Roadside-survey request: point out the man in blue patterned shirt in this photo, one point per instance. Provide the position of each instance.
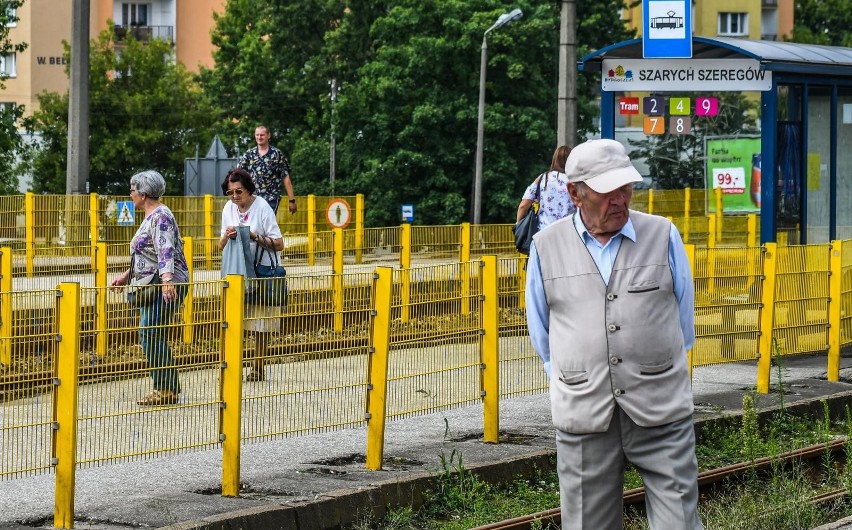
(270, 169)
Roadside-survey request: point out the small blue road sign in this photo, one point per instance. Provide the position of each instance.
(125, 213)
(666, 29)
(408, 213)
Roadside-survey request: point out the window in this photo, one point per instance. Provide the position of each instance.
(733, 24)
(7, 106)
(10, 18)
(134, 14)
(7, 65)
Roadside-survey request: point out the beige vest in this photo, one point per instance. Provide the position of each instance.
(613, 344)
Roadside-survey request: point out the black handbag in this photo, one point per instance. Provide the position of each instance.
(271, 282)
(527, 227)
(144, 291)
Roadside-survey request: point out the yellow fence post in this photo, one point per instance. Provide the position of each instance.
(94, 224)
(405, 271)
(377, 387)
(767, 317)
(209, 230)
(522, 281)
(337, 278)
(464, 267)
(650, 200)
(101, 295)
(6, 306)
(231, 382)
(686, 200)
(65, 404)
(29, 231)
(359, 227)
(751, 227)
(719, 213)
(490, 352)
(312, 229)
(189, 300)
(834, 302)
(690, 254)
(711, 254)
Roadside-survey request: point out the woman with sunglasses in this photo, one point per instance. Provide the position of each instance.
(247, 209)
(157, 247)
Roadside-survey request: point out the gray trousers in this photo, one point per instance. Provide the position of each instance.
(591, 474)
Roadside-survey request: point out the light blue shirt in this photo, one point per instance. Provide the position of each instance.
(538, 312)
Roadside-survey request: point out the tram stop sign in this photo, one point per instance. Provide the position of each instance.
(666, 29)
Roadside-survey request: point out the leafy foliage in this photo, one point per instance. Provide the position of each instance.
(146, 112)
(826, 22)
(11, 144)
(406, 116)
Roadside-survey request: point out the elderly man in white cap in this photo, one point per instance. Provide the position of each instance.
(610, 308)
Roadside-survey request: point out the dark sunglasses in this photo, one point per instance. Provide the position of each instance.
(235, 191)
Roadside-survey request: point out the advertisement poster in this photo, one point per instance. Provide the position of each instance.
(733, 164)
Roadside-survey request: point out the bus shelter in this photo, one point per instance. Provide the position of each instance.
(802, 175)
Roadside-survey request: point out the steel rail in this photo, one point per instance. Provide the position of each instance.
(706, 480)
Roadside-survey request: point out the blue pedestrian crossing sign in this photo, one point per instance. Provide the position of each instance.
(666, 29)
(125, 213)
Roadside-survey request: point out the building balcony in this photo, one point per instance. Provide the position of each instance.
(143, 33)
(769, 4)
(768, 36)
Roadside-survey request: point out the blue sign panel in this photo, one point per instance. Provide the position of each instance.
(667, 29)
(408, 213)
(124, 214)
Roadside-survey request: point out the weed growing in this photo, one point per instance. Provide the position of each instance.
(779, 501)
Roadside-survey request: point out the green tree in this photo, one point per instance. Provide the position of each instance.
(265, 69)
(826, 22)
(408, 71)
(678, 161)
(145, 112)
(11, 144)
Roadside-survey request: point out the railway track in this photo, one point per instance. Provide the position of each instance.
(707, 482)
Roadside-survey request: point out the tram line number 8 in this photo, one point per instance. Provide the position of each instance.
(680, 125)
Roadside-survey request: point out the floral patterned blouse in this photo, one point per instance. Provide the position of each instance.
(157, 246)
(268, 171)
(554, 203)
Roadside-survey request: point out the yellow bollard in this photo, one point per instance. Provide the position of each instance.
(835, 293)
(464, 267)
(359, 227)
(6, 306)
(767, 318)
(65, 409)
(405, 271)
(189, 300)
(377, 388)
(231, 382)
(337, 279)
(102, 293)
(312, 230)
(490, 353)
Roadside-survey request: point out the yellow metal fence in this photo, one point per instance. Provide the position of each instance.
(359, 346)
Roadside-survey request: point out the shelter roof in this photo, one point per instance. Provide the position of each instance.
(777, 56)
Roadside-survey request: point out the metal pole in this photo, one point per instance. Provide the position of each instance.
(77, 168)
(480, 136)
(566, 126)
(332, 145)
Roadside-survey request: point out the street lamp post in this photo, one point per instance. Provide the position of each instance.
(504, 19)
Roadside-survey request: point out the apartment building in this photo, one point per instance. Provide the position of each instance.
(45, 24)
(748, 19)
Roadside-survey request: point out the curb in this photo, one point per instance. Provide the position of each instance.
(346, 506)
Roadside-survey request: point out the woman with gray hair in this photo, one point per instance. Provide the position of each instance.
(157, 248)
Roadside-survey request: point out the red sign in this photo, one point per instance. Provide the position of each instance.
(628, 105)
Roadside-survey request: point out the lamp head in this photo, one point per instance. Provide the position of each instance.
(505, 18)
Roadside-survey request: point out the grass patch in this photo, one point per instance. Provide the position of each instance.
(780, 501)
